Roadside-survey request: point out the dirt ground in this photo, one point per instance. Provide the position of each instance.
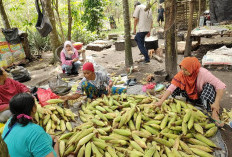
(113, 61)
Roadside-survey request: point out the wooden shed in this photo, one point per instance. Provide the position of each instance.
(183, 11)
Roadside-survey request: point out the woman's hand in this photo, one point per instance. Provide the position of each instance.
(215, 106)
(65, 98)
(149, 78)
(157, 104)
(75, 59)
(108, 88)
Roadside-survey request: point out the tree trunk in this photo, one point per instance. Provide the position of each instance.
(128, 52)
(59, 20)
(5, 20)
(199, 13)
(55, 42)
(170, 38)
(188, 45)
(69, 21)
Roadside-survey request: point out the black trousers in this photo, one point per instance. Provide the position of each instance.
(206, 98)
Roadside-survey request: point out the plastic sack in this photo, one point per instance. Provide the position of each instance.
(20, 74)
(59, 87)
(44, 95)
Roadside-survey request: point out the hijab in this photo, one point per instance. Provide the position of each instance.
(88, 66)
(65, 51)
(188, 83)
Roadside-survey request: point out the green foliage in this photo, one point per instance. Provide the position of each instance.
(81, 34)
(94, 14)
(38, 44)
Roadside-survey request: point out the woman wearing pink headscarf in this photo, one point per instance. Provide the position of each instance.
(69, 58)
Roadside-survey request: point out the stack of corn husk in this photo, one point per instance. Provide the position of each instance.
(128, 125)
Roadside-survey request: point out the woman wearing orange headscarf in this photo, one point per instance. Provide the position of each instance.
(197, 85)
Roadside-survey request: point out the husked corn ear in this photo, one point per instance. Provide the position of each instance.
(204, 148)
(88, 149)
(81, 152)
(122, 132)
(208, 126)
(201, 153)
(46, 119)
(164, 122)
(136, 146)
(185, 147)
(55, 101)
(162, 141)
(62, 125)
(211, 132)
(196, 142)
(95, 150)
(70, 149)
(205, 140)
(62, 147)
(198, 128)
(111, 151)
(69, 126)
(187, 115)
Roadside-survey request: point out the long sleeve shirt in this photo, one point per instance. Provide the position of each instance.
(8, 90)
(64, 59)
(204, 76)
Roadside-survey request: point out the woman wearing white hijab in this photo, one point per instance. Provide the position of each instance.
(69, 58)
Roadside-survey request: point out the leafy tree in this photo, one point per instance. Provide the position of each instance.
(93, 14)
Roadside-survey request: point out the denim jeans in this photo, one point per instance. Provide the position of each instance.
(71, 68)
(140, 39)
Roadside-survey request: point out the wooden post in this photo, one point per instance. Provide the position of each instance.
(199, 13)
(188, 45)
(26, 46)
(170, 36)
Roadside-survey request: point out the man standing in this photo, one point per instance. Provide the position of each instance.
(160, 15)
(143, 19)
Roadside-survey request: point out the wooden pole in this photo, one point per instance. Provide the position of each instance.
(199, 13)
(170, 38)
(188, 44)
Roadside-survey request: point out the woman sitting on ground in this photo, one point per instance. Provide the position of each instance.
(198, 85)
(94, 84)
(69, 58)
(8, 88)
(23, 137)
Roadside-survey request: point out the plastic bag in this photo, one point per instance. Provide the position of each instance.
(20, 74)
(59, 87)
(44, 95)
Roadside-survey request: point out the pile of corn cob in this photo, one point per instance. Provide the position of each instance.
(53, 117)
(128, 126)
(117, 80)
(226, 116)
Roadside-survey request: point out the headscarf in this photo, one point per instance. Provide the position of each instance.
(188, 83)
(66, 52)
(88, 66)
